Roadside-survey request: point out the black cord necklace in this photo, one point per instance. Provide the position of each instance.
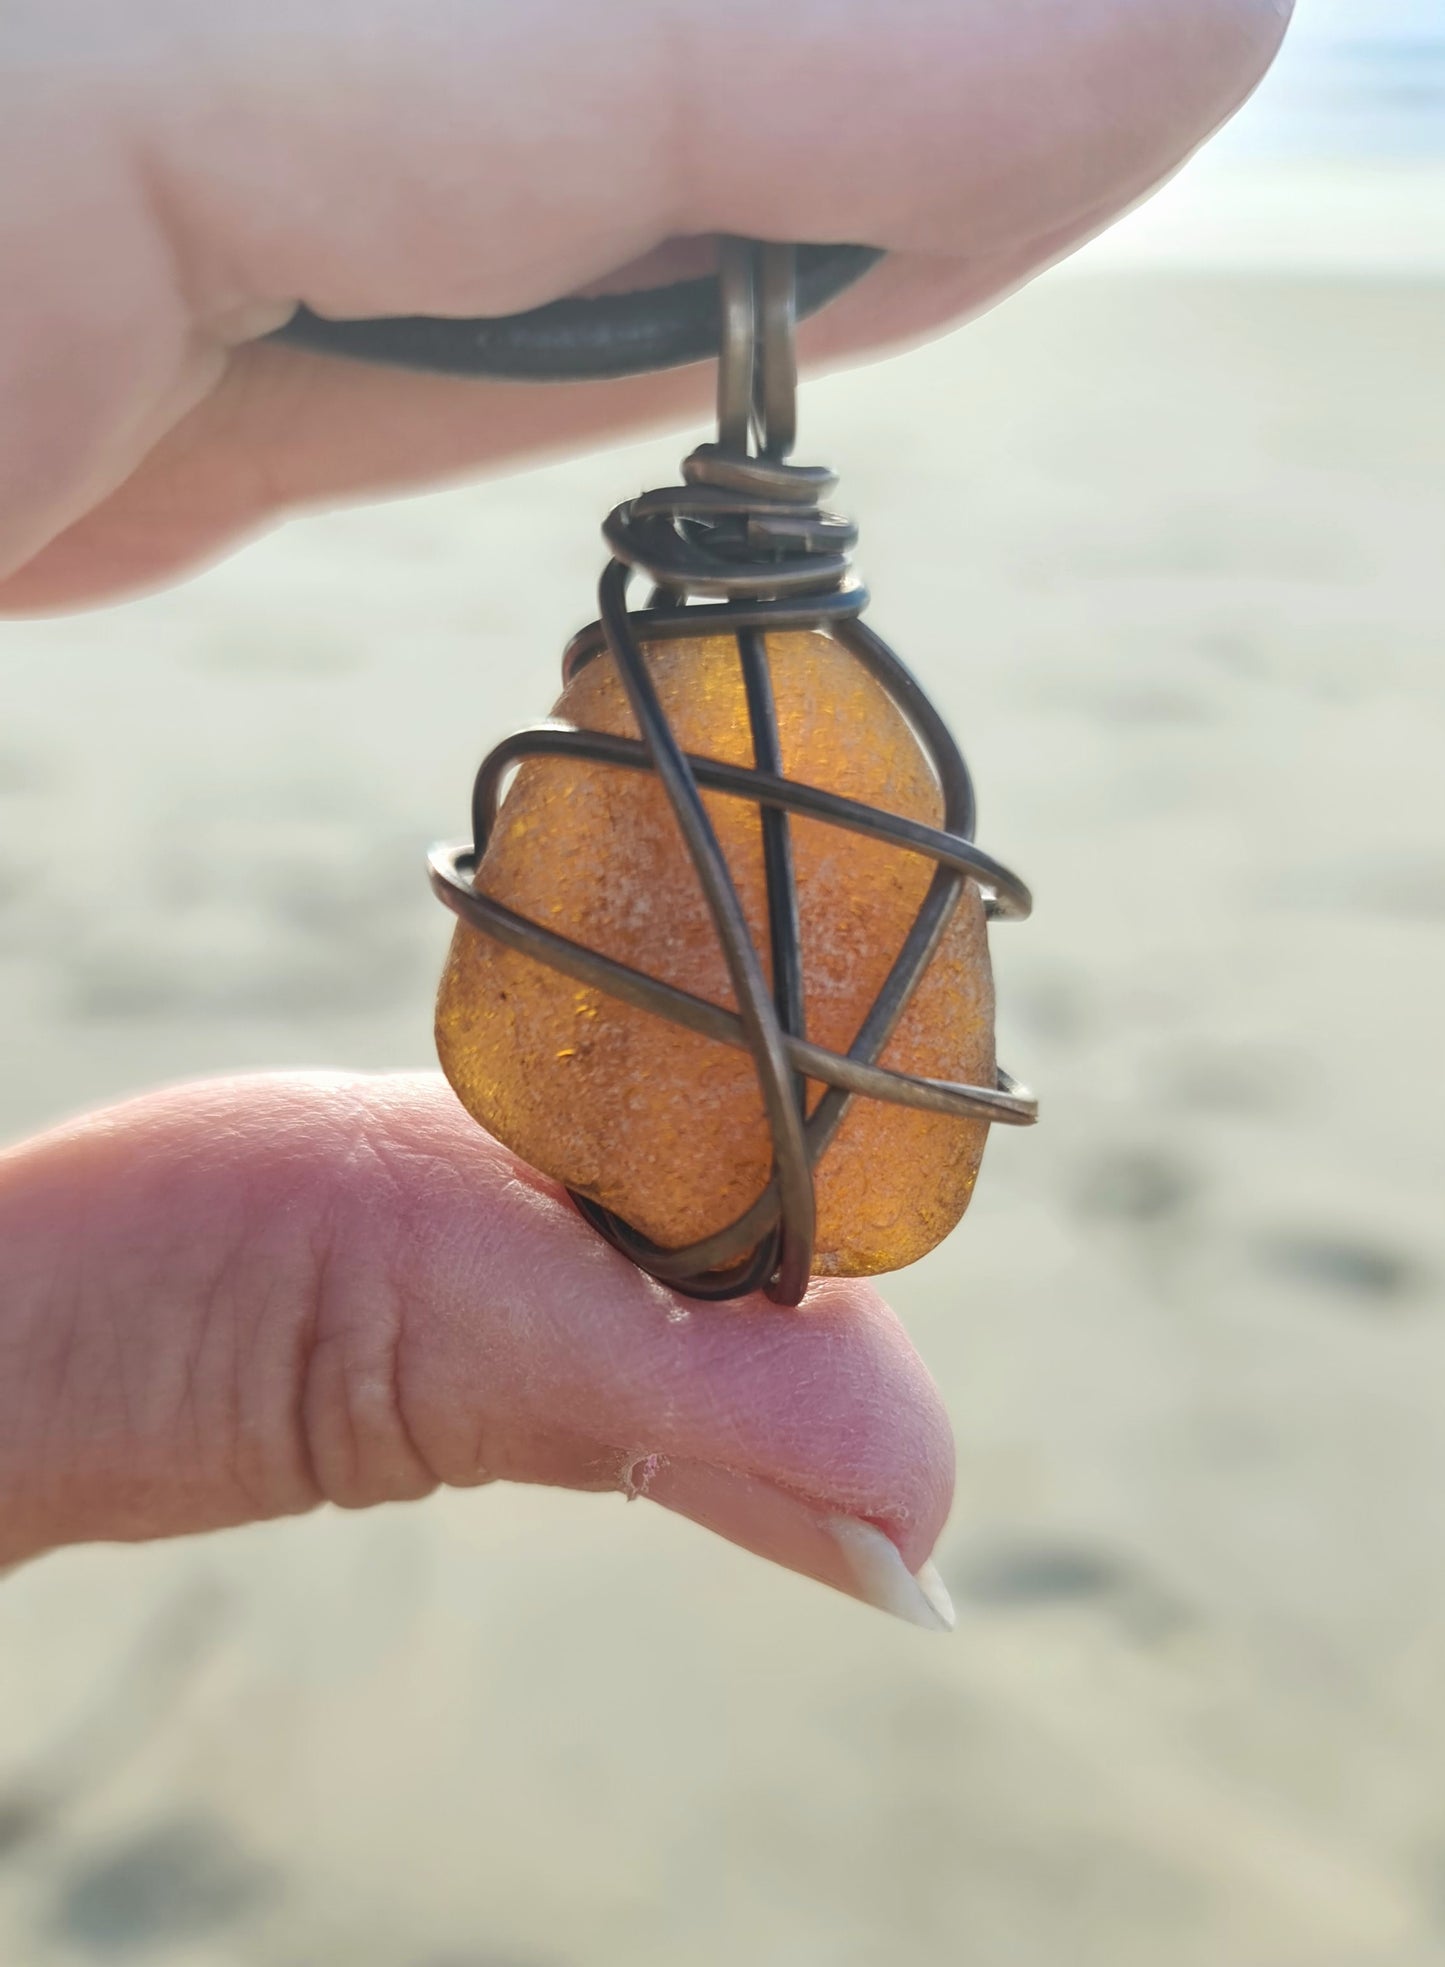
(570, 340)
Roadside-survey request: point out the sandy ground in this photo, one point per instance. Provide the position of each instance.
(1168, 550)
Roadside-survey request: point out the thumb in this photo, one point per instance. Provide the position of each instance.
(236, 1301)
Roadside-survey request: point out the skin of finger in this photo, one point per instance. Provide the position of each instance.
(232, 1302)
(569, 147)
(956, 130)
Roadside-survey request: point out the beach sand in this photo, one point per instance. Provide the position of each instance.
(1167, 548)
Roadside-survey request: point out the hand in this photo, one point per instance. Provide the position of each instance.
(234, 1301)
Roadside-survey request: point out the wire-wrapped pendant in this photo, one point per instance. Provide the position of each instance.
(722, 963)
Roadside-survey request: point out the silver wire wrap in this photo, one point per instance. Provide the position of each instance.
(744, 546)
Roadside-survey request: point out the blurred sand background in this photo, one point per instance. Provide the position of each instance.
(1165, 543)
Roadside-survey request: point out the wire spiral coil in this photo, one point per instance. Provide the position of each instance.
(742, 547)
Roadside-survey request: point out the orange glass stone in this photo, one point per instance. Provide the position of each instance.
(661, 1126)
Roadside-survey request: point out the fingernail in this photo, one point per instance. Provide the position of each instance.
(842, 1551)
(881, 1578)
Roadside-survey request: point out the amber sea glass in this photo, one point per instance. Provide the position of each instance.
(661, 1126)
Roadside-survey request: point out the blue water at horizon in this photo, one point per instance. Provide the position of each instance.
(1355, 79)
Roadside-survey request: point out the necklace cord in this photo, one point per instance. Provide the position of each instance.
(572, 340)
